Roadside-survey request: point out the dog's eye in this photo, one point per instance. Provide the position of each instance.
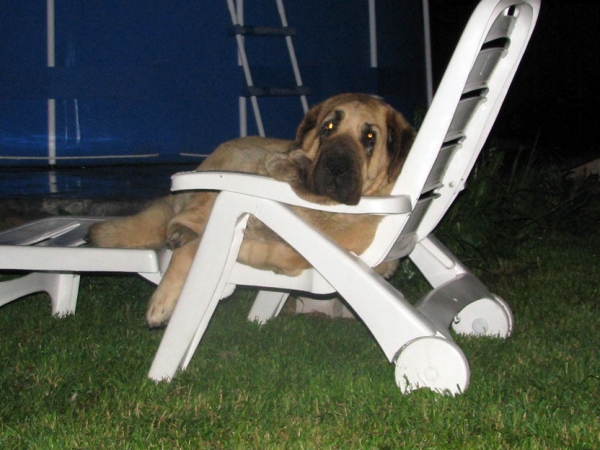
(327, 128)
(369, 140)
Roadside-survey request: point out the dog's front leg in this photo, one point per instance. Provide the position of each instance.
(191, 221)
(163, 301)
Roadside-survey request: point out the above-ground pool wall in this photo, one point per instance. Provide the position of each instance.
(145, 81)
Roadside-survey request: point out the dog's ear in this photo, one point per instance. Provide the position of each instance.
(308, 124)
(400, 138)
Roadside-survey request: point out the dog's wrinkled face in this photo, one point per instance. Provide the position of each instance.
(356, 144)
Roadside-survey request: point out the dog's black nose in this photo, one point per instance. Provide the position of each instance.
(338, 168)
(337, 171)
(338, 179)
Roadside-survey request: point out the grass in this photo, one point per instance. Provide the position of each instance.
(306, 381)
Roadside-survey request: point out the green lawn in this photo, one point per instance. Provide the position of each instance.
(306, 381)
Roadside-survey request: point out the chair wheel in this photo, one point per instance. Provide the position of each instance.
(485, 317)
(432, 362)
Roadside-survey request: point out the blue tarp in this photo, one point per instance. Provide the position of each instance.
(148, 77)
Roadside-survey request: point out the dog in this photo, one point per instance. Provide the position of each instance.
(348, 146)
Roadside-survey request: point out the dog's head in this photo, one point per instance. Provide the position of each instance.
(357, 145)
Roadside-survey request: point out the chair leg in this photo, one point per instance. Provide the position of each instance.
(437, 264)
(443, 303)
(432, 362)
(62, 288)
(267, 305)
(64, 294)
(490, 316)
(202, 290)
(458, 298)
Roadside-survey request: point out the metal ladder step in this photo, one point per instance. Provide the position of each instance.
(259, 31)
(261, 91)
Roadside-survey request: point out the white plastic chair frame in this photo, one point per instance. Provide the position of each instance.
(414, 337)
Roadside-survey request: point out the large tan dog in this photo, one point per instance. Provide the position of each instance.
(346, 147)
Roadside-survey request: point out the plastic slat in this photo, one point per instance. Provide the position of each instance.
(439, 167)
(482, 71)
(465, 110)
(56, 231)
(36, 232)
(502, 27)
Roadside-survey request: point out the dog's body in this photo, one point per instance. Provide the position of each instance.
(346, 147)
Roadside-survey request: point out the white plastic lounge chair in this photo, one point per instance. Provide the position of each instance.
(414, 337)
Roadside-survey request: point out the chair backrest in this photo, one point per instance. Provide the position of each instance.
(458, 121)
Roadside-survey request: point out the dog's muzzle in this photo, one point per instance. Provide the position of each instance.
(337, 172)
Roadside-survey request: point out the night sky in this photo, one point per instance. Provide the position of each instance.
(555, 93)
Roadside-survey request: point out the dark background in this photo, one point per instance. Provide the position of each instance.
(553, 100)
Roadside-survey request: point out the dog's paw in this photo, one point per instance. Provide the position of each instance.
(178, 235)
(160, 309)
(290, 167)
(387, 268)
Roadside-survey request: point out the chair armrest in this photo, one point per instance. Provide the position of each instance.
(268, 188)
